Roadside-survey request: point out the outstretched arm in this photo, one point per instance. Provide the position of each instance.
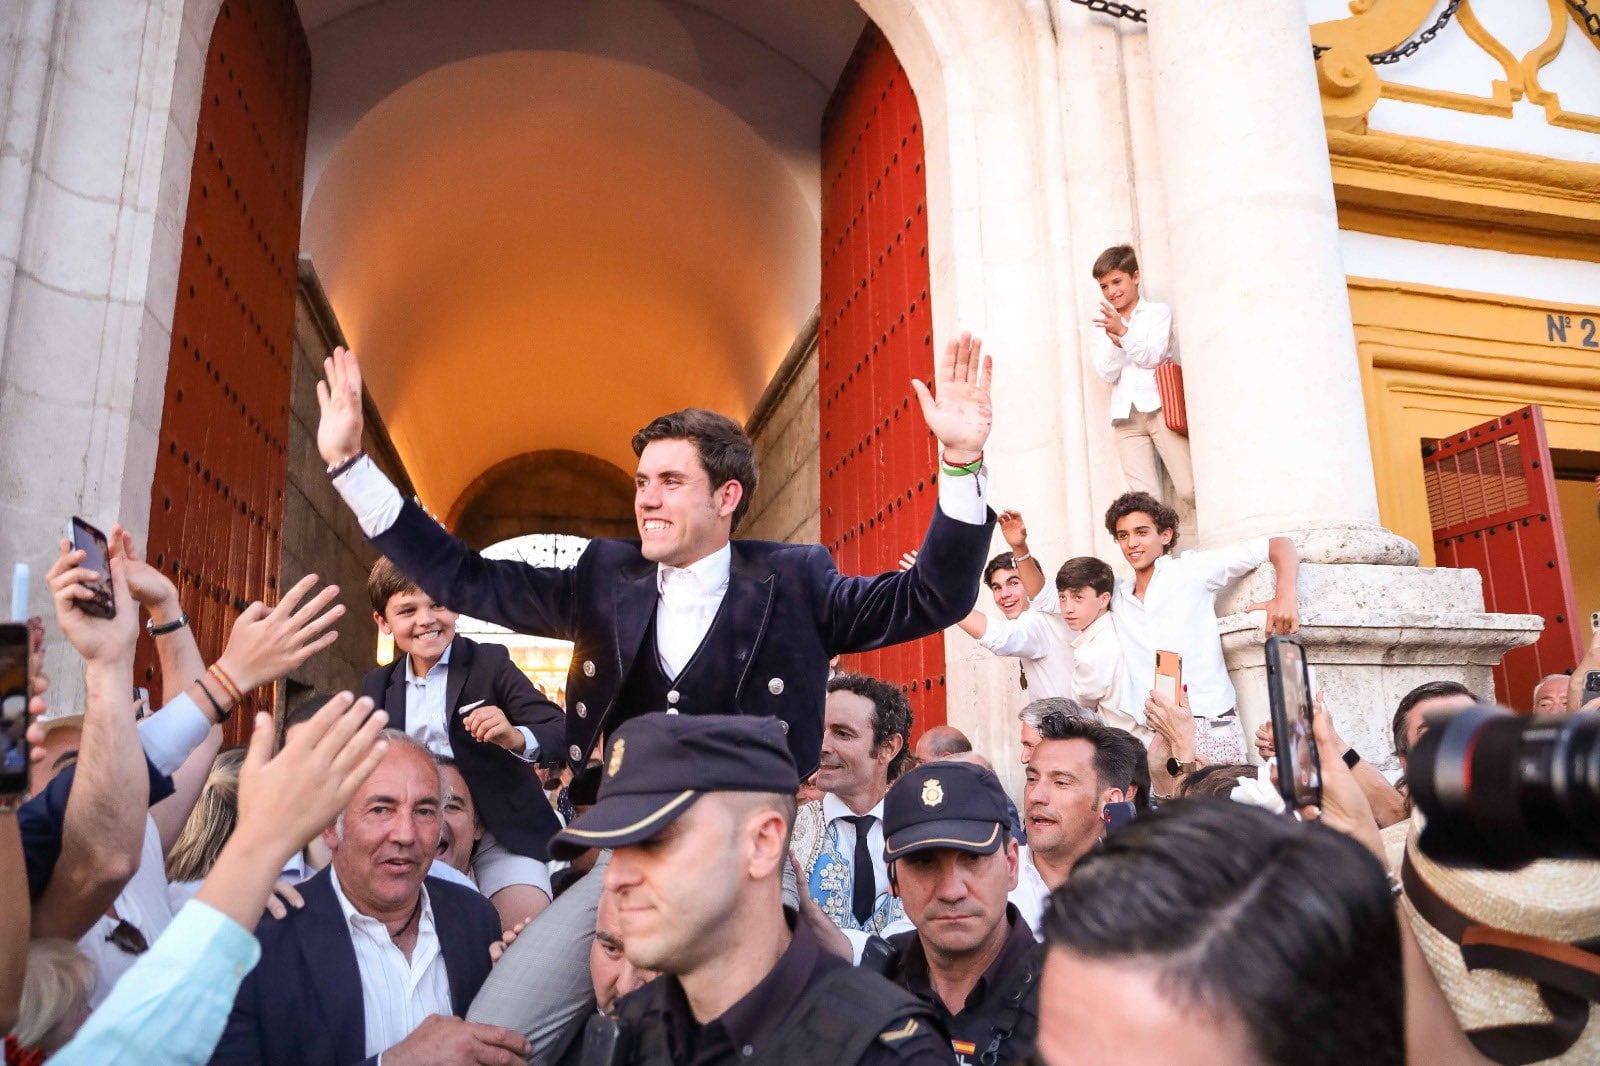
(528, 599)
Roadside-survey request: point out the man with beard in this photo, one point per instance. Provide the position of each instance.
(1077, 768)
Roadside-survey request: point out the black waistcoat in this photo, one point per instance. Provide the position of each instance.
(701, 688)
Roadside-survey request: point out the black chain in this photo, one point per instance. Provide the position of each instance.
(1395, 55)
(1116, 10)
(1591, 21)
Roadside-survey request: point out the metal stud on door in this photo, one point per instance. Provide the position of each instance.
(879, 485)
(217, 495)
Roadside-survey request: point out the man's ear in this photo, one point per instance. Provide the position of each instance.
(383, 624)
(330, 837)
(1013, 859)
(1105, 601)
(769, 843)
(728, 497)
(893, 745)
(1113, 795)
(1166, 537)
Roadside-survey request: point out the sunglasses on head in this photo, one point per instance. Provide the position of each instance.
(127, 937)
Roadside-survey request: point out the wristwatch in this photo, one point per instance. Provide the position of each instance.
(164, 628)
(1174, 767)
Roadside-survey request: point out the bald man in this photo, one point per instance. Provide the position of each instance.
(940, 741)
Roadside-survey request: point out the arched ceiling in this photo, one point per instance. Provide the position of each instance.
(542, 248)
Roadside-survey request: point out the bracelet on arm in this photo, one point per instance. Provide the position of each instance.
(957, 471)
(164, 628)
(221, 677)
(222, 715)
(1024, 557)
(340, 467)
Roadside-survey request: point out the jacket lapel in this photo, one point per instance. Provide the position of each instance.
(636, 597)
(457, 946)
(395, 695)
(748, 606)
(330, 959)
(460, 666)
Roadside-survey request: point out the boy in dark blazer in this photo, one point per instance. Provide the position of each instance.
(468, 701)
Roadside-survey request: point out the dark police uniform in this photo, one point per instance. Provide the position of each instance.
(949, 805)
(812, 1008)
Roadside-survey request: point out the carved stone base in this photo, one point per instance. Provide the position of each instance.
(1373, 633)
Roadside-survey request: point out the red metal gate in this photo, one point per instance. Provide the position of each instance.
(216, 509)
(879, 473)
(1492, 499)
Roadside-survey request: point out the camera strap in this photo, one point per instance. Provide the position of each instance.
(1567, 975)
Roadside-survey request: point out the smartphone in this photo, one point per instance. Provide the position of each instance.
(16, 686)
(1169, 675)
(1594, 621)
(96, 556)
(1591, 687)
(1117, 815)
(1289, 691)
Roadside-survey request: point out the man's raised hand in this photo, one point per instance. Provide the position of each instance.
(958, 410)
(339, 397)
(266, 644)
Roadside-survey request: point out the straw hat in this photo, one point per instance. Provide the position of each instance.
(1546, 907)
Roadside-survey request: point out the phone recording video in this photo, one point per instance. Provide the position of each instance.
(97, 557)
(1289, 688)
(15, 688)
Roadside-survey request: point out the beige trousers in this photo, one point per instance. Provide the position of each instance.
(1142, 438)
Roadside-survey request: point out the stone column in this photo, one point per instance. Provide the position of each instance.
(1277, 419)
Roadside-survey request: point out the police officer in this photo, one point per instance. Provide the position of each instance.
(698, 810)
(973, 958)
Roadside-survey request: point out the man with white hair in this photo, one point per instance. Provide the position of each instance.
(1550, 694)
(381, 959)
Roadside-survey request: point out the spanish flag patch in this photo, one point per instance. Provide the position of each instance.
(964, 1047)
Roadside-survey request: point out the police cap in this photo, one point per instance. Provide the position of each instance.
(659, 764)
(945, 805)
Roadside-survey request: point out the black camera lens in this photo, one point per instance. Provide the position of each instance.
(1500, 790)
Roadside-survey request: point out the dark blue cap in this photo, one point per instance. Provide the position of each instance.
(657, 765)
(945, 805)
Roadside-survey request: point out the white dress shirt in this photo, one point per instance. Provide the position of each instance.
(427, 717)
(143, 902)
(1031, 893)
(1100, 679)
(1040, 638)
(690, 596)
(397, 993)
(1179, 613)
(1131, 365)
(834, 810)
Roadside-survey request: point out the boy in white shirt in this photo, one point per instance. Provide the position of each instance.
(1135, 337)
(1099, 675)
(1170, 603)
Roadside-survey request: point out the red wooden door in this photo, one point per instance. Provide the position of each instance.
(1492, 500)
(216, 510)
(879, 473)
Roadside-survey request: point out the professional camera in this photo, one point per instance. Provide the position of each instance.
(1499, 790)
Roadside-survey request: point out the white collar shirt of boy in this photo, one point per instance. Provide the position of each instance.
(1130, 368)
(1100, 680)
(427, 718)
(1040, 638)
(1179, 613)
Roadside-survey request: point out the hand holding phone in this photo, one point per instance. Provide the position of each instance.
(1169, 675)
(16, 691)
(97, 638)
(1289, 689)
(1118, 815)
(97, 558)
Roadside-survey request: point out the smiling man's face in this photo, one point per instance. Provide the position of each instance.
(681, 516)
(420, 627)
(1141, 541)
(390, 832)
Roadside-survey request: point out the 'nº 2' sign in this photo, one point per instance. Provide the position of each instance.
(1577, 332)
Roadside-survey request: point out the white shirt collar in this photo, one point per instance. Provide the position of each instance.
(710, 572)
(444, 660)
(356, 920)
(834, 807)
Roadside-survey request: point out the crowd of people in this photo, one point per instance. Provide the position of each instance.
(722, 849)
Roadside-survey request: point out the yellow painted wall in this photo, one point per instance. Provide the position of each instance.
(1582, 527)
(1435, 361)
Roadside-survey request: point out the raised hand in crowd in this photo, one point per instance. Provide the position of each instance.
(1344, 805)
(958, 408)
(101, 641)
(267, 643)
(181, 662)
(1108, 319)
(908, 560)
(1015, 532)
(339, 397)
(1283, 609)
(1388, 805)
(1174, 726)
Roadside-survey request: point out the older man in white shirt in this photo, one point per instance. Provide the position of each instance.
(382, 961)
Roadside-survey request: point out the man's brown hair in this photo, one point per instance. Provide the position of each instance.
(1118, 257)
(724, 450)
(386, 581)
(1129, 503)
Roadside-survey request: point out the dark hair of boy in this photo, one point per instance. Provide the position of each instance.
(385, 582)
(1086, 572)
(1003, 561)
(1129, 503)
(1285, 925)
(1117, 257)
(724, 450)
(891, 714)
(1216, 781)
